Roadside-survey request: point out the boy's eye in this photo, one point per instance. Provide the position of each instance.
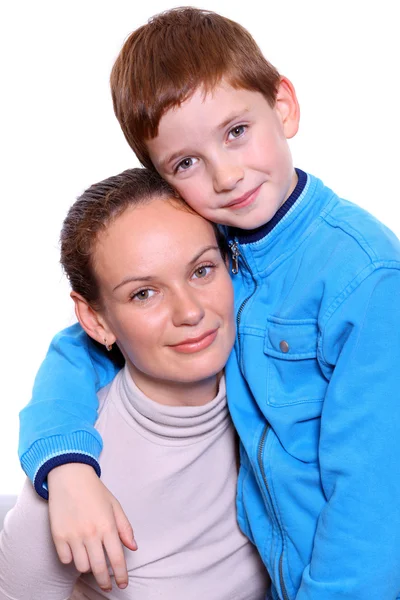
(237, 131)
(142, 295)
(185, 164)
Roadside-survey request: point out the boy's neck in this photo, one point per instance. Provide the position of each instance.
(253, 235)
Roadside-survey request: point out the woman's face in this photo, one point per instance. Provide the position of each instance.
(167, 298)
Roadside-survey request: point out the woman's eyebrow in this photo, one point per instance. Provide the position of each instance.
(132, 278)
(203, 251)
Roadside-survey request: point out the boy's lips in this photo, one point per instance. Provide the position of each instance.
(201, 342)
(244, 200)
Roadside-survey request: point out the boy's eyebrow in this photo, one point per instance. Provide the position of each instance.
(165, 162)
(132, 279)
(232, 117)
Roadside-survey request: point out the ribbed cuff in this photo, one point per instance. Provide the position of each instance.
(47, 453)
(40, 481)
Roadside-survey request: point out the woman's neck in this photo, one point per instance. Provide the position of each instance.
(176, 393)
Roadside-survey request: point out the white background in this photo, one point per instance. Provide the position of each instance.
(58, 134)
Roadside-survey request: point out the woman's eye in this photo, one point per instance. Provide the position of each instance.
(142, 295)
(237, 131)
(202, 271)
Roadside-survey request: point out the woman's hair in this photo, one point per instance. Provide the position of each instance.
(94, 210)
(162, 63)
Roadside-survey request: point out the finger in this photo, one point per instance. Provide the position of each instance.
(116, 558)
(80, 556)
(124, 527)
(64, 551)
(98, 564)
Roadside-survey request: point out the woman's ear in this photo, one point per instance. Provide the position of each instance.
(287, 107)
(92, 321)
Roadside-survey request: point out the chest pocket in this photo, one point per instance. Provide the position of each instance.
(293, 372)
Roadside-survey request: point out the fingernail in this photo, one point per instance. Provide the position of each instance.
(122, 586)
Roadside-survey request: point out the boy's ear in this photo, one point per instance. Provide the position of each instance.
(288, 107)
(92, 321)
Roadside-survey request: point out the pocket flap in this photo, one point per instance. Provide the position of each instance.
(291, 339)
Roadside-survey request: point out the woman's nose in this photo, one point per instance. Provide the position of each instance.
(188, 309)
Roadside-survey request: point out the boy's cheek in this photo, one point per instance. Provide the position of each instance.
(194, 191)
(191, 192)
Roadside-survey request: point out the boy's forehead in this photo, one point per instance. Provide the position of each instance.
(203, 114)
(221, 98)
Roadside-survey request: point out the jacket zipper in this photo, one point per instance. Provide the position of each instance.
(233, 245)
(234, 248)
(266, 484)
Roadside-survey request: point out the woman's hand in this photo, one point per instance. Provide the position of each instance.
(87, 521)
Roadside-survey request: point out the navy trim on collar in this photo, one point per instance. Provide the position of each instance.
(245, 236)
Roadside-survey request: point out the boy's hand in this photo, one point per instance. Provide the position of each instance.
(85, 521)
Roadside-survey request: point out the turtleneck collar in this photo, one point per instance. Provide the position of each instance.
(179, 424)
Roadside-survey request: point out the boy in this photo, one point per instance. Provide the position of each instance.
(313, 382)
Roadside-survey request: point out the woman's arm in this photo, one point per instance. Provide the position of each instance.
(29, 565)
(57, 426)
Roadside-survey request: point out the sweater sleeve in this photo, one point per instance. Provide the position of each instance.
(57, 426)
(356, 552)
(29, 565)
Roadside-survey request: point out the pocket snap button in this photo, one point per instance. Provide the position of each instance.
(284, 346)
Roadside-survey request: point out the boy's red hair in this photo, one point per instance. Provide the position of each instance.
(163, 62)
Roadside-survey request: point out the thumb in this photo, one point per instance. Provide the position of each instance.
(124, 527)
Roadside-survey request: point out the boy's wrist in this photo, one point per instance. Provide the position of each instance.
(74, 458)
(67, 474)
(54, 451)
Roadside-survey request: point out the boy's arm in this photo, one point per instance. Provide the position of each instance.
(57, 426)
(356, 551)
(88, 523)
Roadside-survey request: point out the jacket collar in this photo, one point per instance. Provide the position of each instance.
(244, 236)
(301, 212)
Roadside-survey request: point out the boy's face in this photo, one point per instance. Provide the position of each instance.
(227, 154)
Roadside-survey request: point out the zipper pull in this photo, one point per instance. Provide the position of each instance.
(235, 256)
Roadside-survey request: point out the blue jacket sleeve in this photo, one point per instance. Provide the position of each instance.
(356, 552)
(57, 426)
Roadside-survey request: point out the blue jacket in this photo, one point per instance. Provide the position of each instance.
(314, 392)
(313, 389)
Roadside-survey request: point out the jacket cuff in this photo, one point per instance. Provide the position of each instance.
(51, 452)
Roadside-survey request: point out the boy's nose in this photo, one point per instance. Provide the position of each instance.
(226, 177)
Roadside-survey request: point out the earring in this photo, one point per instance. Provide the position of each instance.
(108, 346)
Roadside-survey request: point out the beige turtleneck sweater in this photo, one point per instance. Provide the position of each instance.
(174, 471)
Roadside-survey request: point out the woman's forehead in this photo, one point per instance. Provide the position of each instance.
(150, 236)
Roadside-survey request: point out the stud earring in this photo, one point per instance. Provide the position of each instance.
(108, 346)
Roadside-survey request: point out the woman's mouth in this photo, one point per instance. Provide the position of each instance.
(191, 345)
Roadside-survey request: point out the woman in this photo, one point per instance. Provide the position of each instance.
(149, 275)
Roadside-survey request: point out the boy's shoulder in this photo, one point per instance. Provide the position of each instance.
(356, 228)
(343, 249)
